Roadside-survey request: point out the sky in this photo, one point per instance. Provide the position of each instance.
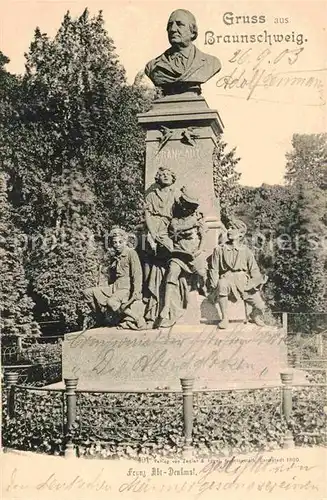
(265, 91)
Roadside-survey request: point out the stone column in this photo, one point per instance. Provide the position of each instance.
(191, 129)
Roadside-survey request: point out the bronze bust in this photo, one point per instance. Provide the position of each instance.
(182, 67)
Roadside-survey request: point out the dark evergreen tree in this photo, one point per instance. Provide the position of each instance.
(16, 307)
(75, 156)
(299, 268)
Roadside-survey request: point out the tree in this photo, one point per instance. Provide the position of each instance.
(306, 173)
(286, 231)
(68, 259)
(70, 89)
(307, 162)
(299, 268)
(75, 159)
(16, 307)
(225, 177)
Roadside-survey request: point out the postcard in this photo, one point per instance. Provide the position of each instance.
(163, 246)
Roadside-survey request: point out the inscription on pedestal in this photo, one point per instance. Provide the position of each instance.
(177, 154)
(109, 358)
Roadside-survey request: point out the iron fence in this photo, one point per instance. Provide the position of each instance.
(107, 423)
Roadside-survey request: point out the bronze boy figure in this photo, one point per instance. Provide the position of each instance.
(234, 274)
(121, 300)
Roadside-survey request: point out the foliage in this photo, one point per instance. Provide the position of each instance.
(77, 101)
(262, 209)
(58, 293)
(307, 162)
(16, 306)
(225, 177)
(33, 348)
(305, 285)
(42, 374)
(303, 352)
(286, 232)
(75, 156)
(38, 425)
(126, 425)
(44, 353)
(9, 94)
(299, 267)
(35, 367)
(309, 426)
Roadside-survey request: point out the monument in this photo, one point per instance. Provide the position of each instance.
(181, 130)
(185, 273)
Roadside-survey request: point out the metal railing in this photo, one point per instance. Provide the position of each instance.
(286, 401)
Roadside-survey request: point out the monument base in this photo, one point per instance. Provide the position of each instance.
(244, 355)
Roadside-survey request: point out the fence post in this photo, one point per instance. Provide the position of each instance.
(71, 384)
(297, 360)
(187, 388)
(284, 321)
(319, 344)
(287, 378)
(19, 346)
(11, 379)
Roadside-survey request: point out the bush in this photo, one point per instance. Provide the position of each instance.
(44, 362)
(44, 374)
(44, 353)
(38, 424)
(305, 349)
(31, 351)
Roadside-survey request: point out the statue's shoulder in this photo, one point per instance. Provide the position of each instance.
(152, 195)
(208, 58)
(131, 253)
(153, 63)
(246, 250)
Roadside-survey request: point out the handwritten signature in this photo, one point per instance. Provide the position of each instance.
(251, 72)
(212, 477)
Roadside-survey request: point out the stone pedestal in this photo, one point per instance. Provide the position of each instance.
(190, 156)
(241, 356)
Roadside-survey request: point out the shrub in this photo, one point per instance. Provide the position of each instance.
(44, 360)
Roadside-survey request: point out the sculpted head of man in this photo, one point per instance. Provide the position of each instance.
(181, 28)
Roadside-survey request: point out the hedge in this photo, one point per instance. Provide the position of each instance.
(42, 361)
